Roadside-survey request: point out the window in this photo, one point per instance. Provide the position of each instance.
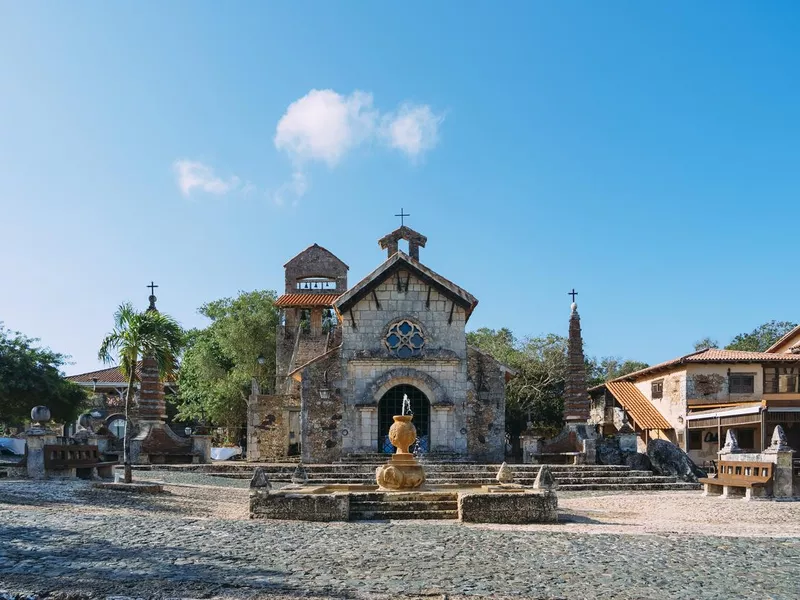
(404, 339)
(740, 383)
(746, 438)
(316, 283)
(781, 380)
(657, 389)
(695, 439)
(117, 428)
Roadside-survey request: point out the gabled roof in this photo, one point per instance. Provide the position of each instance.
(110, 375)
(401, 260)
(644, 414)
(402, 233)
(706, 356)
(782, 343)
(318, 248)
(105, 377)
(306, 300)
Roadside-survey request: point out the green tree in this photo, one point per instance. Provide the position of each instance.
(762, 337)
(610, 367)
(29, 376)
(221, 361)
(535, 394)
(706, 342)
(139, 334)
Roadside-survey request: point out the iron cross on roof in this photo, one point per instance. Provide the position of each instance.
(573, 293)
(402, 215)
(152, 287)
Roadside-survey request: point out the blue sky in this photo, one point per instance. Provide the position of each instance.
(646, 154)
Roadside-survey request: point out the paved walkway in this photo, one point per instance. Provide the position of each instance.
(196, 542)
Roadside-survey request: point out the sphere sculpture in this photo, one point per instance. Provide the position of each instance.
(402, 472)
(40, 414)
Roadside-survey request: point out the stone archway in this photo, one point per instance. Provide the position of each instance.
(391, 403)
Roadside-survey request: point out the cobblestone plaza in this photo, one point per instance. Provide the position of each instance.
(195, 541)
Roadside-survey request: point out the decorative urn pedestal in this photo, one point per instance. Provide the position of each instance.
(402, 472)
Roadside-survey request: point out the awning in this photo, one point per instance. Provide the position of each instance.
(644, 414)
(726, 417)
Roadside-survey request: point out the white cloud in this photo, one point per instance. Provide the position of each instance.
(324, 125)
(295, 188)
(193, 175)
(412, 129)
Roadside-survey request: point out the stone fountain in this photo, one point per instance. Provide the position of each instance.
(401, 494)
(402, 472)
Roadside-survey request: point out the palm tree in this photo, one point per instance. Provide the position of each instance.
(139, 334)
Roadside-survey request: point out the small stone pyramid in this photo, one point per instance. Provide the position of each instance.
(731, 443)
(300, 476)
(544, 479)
(505, 474)
(779, 443)
(260, 480)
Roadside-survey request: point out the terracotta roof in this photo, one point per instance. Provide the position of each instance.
(644, 414)
(306, 300)
(110, 375)
(785, 338)
(447, 287)
(710, 355)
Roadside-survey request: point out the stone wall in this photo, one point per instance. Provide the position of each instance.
(486, 409)
(268, 426)
(316, 261)
(322, 410)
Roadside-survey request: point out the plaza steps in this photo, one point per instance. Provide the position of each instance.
(568, 477)
(397, 505)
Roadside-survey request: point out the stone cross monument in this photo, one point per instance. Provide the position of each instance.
(576, 395)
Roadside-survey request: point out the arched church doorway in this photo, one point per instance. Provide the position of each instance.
(392, 404)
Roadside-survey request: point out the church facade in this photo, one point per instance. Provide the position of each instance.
(347, 356)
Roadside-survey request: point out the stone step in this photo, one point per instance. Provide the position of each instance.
(395, 506)
(621, 487)
(405, 496)
(385, 515)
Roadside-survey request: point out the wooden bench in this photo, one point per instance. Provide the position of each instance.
(81, 460)
(737, 479)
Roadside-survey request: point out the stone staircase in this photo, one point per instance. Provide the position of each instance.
(612, 478)
(397, 505)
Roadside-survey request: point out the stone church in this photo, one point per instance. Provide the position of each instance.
(346, 356)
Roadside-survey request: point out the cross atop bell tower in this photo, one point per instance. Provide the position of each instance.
(389, 242)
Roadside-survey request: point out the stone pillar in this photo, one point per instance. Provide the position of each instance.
(151, 393)
(201, 445)
(413, 250)
(36, 439)
(576, 396)
(783, 484)
(531, 446)
(368, 428)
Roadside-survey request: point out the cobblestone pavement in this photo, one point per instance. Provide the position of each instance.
(196, 542)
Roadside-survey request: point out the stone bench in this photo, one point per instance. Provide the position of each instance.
(77, 460)
(558, 458)
(740, 479)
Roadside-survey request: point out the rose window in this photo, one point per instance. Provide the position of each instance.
(405, 339)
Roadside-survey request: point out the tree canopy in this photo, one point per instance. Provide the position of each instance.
(705, 343)
(30, 376)
(535, 394)
(762, 337)
(222, 359)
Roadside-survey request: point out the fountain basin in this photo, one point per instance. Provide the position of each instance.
(479, 504)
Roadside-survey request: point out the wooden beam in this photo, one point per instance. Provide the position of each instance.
(353, 319)
(408, 278)
(399, 284)
(452, 308)
(428, 299)
(375, 297)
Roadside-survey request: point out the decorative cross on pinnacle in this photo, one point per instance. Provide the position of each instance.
(402, 216)
(573, 293)
(152, 287)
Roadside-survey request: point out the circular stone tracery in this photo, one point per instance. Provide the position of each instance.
(404, 339)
